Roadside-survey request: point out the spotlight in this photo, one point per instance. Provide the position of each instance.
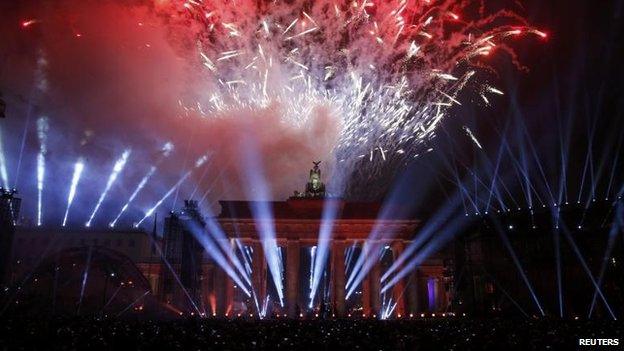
(411, 315)
(422, 315)
(511, 227)
(300, 315)
(78, 168)
(399, 315)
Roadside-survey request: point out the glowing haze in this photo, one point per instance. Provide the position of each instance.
(352, 83)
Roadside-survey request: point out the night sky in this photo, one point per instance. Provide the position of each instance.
(570, 88)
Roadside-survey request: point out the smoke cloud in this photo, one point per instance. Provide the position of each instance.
(111, 75)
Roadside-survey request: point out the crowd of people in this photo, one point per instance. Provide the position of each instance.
(212, 334)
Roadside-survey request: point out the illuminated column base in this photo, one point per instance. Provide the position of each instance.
(413, 293)
(220, 292)
(366, 296)
(399, 288)
(229, 284)
(338, 276)
(292, 277)
(229, 295)
(375, 298)
(258, 272)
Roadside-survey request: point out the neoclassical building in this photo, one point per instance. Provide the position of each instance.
(296, 224)
(133, 270)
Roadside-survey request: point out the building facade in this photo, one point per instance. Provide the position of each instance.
(295, 224)
(189, 269)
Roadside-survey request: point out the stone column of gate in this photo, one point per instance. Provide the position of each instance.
(229, 283)
(412, 291)
(366, 296)
(366, 289)
(219, 278)
(205, 288)
(258, 272)
(338, 276)
(375, 281)
(398, 291)
(440, 293)
(292, 276)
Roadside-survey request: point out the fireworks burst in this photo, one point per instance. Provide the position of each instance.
(387, 70)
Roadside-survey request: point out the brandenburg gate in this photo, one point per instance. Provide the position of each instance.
(297, 222)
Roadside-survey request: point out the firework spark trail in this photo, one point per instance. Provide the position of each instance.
(188, 173)
(119, 166)
(166, 151)
(389, 84)
(42, 133)
(472, 137)
(78, 169)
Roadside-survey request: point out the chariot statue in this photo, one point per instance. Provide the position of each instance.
(314, 187)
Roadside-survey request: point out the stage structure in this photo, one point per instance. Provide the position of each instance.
(183, 256)
(297, 222)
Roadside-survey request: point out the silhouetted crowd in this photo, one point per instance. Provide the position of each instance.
(208, 334)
